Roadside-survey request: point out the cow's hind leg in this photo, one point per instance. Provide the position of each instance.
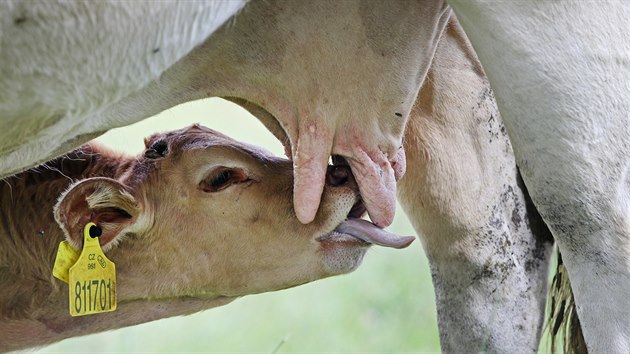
(489, 252)
(561, 72)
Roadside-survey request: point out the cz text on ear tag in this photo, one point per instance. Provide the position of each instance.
(66, 258)
(92, 279)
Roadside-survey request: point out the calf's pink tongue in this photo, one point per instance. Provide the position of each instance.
(368, 232)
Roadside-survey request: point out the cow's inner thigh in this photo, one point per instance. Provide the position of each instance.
(488, 251)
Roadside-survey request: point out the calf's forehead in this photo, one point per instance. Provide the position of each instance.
(189, 141)
(190, 137)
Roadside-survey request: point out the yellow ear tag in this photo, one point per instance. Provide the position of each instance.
(92, 279)
(66, 258)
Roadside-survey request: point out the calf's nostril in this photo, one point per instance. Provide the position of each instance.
(338, 175)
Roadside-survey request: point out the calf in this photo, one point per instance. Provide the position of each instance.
(194, 222)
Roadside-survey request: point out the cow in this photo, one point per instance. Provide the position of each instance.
(555, 69)
(194, 222)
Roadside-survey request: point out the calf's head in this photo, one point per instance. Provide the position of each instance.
(201, 217)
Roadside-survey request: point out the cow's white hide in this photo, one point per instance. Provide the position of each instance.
(561, 74)
(63, 65)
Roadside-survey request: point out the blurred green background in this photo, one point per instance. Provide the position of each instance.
(386, 306)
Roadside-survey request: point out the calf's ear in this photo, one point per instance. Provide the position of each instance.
(104, 201)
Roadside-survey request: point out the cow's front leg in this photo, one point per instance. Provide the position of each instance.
(561, 73)
(489, 251)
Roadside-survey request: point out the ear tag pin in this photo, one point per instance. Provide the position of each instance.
(92, 279)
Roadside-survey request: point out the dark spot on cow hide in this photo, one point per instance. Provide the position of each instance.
(19, 20)
(486, 273)
(156, 50)
(398, 114)
(516, 218)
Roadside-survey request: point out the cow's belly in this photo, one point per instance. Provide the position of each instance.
(63, 66)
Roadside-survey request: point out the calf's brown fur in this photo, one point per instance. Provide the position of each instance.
(194, 222)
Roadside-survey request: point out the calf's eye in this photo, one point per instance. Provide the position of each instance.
(221, 178)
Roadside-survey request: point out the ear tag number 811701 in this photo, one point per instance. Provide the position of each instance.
(92, 279)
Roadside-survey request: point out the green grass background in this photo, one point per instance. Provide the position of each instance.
(386, 306)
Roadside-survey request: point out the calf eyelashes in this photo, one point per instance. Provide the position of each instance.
(222, 178)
